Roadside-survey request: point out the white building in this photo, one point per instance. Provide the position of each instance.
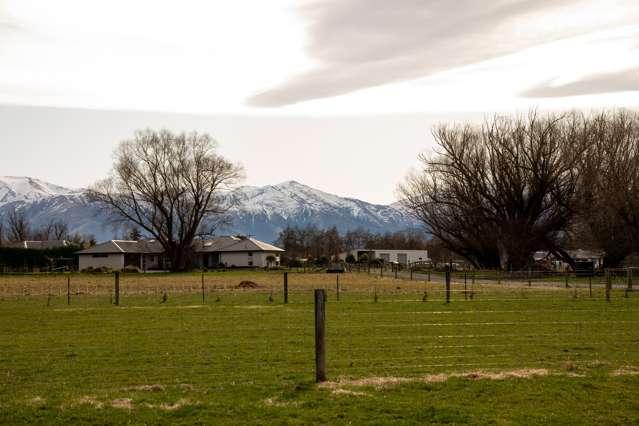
(403, 257)
(227, 251)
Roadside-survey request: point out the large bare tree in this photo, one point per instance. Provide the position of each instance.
(168, 184)
(496, 193)
(610, 184)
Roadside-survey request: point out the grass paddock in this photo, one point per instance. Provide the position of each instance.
(396, 352)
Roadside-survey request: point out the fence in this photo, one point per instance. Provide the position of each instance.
(212, 329)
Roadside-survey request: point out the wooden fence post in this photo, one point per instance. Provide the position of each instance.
(337, 285)
(608, 285)
(286, 287)
(590, 285)
(117, 288)
(448, 286)
(202, 287)
(465, 287)
(320, 336)
(429, 275)
(381, 271)
(68, 290)
(411, 272)
(566, 279)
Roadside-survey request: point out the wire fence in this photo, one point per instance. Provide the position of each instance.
(230, 331)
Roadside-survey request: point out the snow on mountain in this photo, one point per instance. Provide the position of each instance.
(265, 211)
(259, 211)
(22, 188)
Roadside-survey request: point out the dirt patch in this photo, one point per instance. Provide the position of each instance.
(145, 388)
(275, 402)
(349, 392)
(247, 284)
(185, 386)
(122, 403)
(36, 401)
(89, 400)
(503, 375)
(170, 407)
(382, 382)
(175, 406)
(625, 371)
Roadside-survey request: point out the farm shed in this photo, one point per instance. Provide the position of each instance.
(403, 257)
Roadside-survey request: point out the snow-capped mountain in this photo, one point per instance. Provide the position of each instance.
(259, 211)
(22, 188)
(264, 211)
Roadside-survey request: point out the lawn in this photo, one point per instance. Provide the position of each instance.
(501, 354)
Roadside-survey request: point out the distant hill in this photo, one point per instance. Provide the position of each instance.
(259, 211)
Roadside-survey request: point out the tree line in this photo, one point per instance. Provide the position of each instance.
(17, 227)
(495, 193)
(319, 245)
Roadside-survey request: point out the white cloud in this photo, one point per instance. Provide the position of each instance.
(179, 55)
(327, 56)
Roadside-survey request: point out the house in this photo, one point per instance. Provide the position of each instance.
(402, 257)
(235, 251)
(585, 259)
(227, 251)
(116, 254)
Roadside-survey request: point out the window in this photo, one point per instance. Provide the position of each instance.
(100, 255)
(250, 254)
(250, 263)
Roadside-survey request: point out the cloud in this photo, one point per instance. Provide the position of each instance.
(365, 43)
(618, 81)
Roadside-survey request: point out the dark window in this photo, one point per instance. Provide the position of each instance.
(250, 253)
(250, 263)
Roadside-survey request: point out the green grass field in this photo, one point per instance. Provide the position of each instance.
(508, 355)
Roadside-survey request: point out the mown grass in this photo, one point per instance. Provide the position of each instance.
(244, 357)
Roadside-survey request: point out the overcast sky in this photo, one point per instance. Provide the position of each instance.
(337, 94)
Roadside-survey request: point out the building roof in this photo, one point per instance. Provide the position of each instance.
(578, 254)
(38, 245)
(219, 244)
(124, 246)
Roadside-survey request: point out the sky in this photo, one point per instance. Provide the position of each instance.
(337, 94)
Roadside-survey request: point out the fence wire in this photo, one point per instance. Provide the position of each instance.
(212, 329)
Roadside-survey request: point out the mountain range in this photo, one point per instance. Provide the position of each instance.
(259, 211)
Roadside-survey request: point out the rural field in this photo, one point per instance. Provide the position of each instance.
(222, 347)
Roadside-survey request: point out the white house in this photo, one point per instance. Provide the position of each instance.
(403, 257)
(228, 251)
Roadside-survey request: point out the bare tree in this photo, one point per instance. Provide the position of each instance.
(610, 184)
(19, 228)
(167, 184)
(60, 230)
(494, 194)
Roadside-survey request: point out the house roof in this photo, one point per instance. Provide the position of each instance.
(578, 254)
(38, 245)
(235, 244)
(124, 246)
(219, 244)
